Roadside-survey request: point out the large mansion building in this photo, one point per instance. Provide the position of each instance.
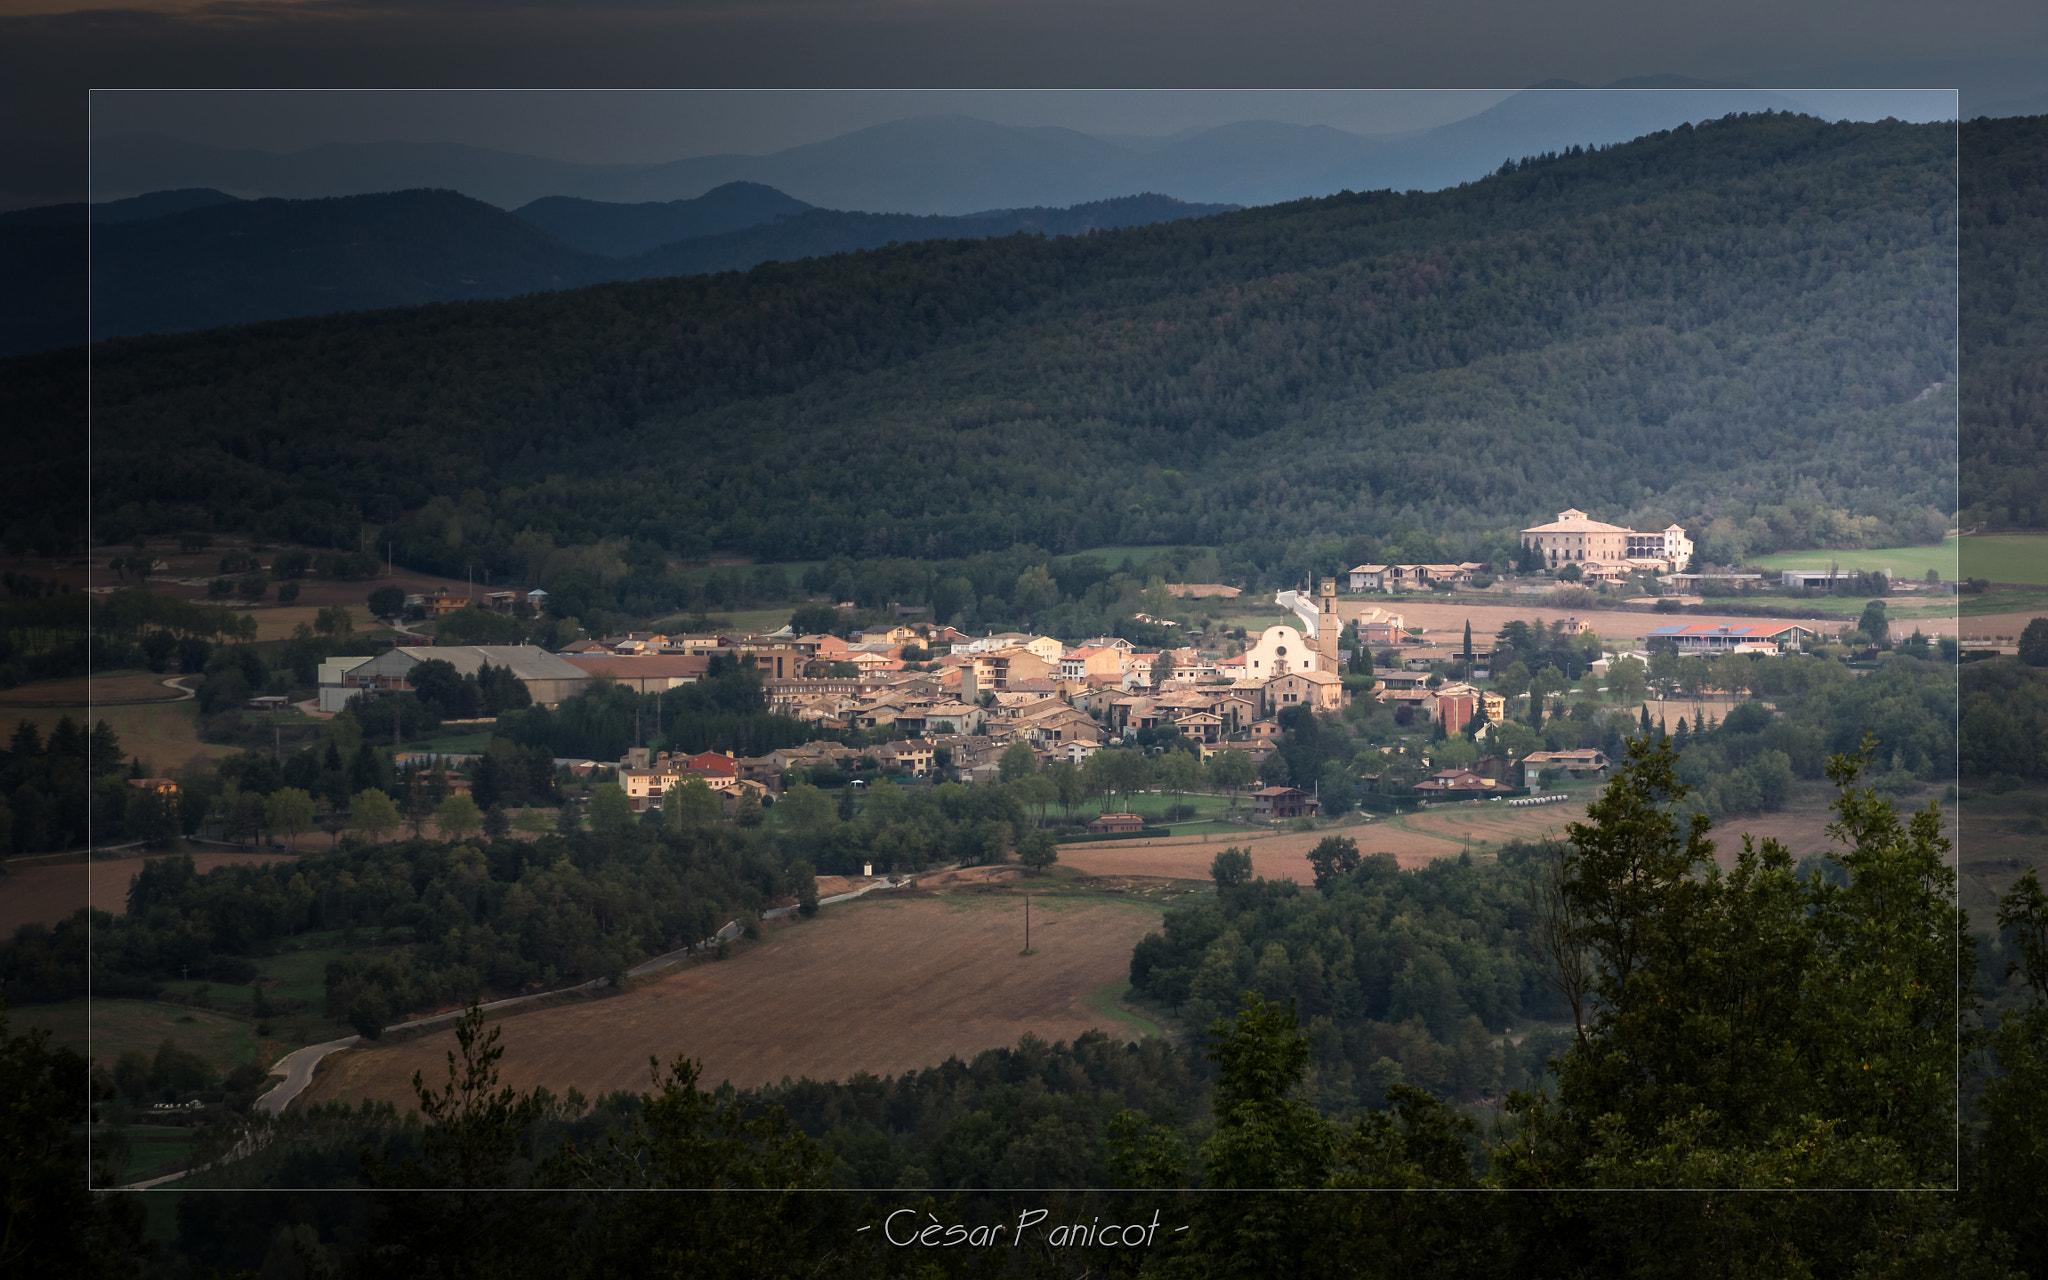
(1575, 538)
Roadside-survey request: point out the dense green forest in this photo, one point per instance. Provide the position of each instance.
(1675, 327)
(2004, 303)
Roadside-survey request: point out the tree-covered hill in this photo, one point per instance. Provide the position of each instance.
(2004, 250)
(1737, 320)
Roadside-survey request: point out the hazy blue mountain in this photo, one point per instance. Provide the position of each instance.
(143, 163)
(155, 204)
(819, 232)
(268, 259)
(956, 165)
(932, 164)
(240, 262)
(622, 230)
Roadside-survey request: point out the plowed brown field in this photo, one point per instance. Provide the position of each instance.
(884, 985)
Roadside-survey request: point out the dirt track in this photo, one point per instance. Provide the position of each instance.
(882, 985)
(48, 894)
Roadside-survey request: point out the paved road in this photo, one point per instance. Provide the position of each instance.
(177, 682)
(297, 1069)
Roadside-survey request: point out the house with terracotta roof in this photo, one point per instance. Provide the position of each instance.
(1321, 690)
(1459, 783)
(647, 673)
(1576, 538)
(1116, 824)
(1585, 762)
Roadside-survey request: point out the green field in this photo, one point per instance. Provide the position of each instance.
(1903, 562)
(1105, 1002)
(2022, 601)
(1140, 556)
(749, 620)
(111, 1027)
(2015, 558)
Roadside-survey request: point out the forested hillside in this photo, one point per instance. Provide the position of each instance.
(2005, 322)
(1737, 321)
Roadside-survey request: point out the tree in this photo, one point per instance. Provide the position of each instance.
(1017, 761)
(1333, 858)
(1755, 1027)
(387, 602)
(2012, 1156)
(1162, 670)
(691, 804)
(1627, 680)
(372, 813)
(803, 882)
(1231, 770)
(2034, 643)
(610, 810)
(51, 1222)
(457, 817)
(747, 813)
(1231, 868)
(1038, 850)
(1874, 624)
(334, 620)
(1179, 773)
(804, 808)
(289, 812)
(530, 821)
(1267, 1135)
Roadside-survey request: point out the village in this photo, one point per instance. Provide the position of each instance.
(946, 705)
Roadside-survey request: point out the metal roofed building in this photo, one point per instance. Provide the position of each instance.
(1709, 637)
(547, 677)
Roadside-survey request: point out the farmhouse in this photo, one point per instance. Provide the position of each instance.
(1283, 802)
(1119, 823)
(1586, 762)
(1460, 781)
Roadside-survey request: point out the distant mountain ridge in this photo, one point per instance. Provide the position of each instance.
(617, 230)
(229, 262)
(957, 165)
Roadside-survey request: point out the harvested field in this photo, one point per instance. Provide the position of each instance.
(1445, 623)
(1988, 625)
(164, 735)
(1442, 831)
(1274, 857)
(107, 689)
(47, 894)
(887, 984)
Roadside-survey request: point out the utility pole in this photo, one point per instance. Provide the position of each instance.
(1027, 924)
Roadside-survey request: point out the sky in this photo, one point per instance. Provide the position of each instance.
(52, 52)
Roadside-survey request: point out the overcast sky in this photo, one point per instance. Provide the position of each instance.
(53, 51)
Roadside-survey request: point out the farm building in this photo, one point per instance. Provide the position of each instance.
(547, 677)
(1283, 802)
(1708, 637)
(1116, 822)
